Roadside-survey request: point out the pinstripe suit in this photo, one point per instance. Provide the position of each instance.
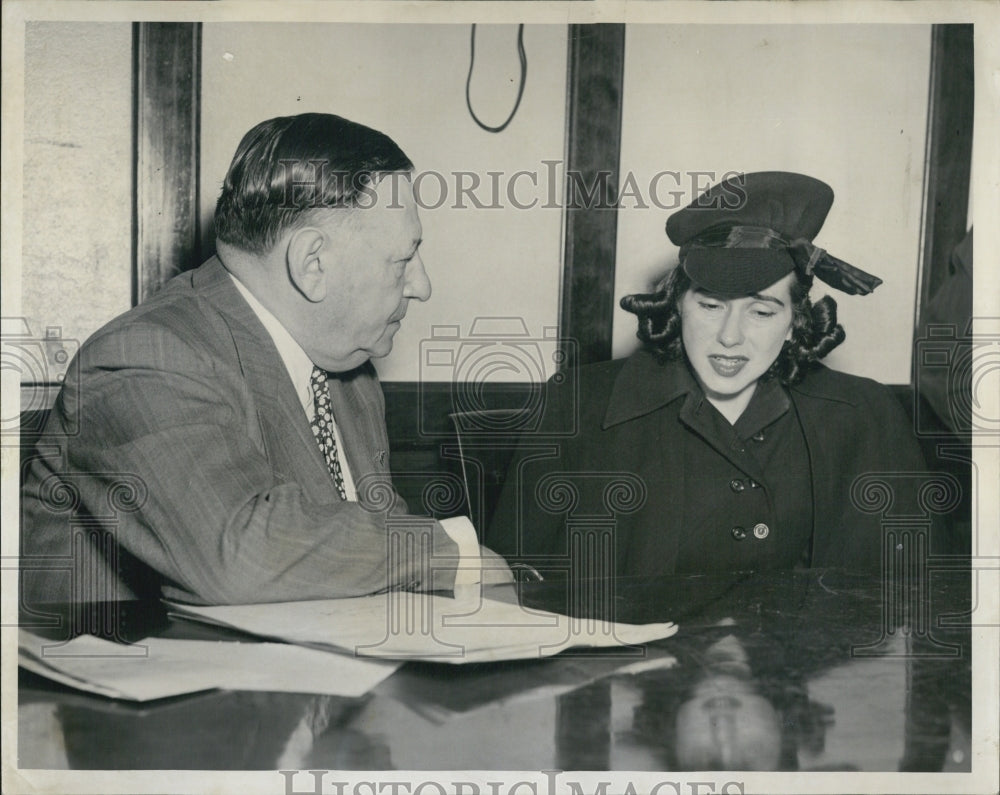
(222, 494)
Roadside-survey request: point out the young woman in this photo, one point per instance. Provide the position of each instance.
(723, 444)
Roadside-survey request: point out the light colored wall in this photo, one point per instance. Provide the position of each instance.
(409, 82)
(846, 104)
(76, 257)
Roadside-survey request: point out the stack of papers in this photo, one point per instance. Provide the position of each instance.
(404, 625)
(159, 667)
(328, 646)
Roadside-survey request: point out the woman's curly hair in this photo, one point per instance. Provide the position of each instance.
(815, 330)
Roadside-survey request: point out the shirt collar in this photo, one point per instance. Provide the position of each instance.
(296, 360)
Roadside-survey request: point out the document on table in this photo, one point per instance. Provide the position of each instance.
(159, 667)
(404, 625)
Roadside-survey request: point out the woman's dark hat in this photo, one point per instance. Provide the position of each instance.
(748, 231)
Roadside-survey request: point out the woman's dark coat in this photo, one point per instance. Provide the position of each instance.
(604, 459)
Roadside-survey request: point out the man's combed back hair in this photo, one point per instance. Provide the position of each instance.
(287, 167)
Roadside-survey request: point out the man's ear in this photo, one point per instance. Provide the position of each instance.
(305, 267)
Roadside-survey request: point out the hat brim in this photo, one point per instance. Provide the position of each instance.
(737, 271)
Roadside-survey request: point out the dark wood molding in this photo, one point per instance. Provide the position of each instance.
(424, 444)
(948, 166)
(167, 83)
(593, 147)
(417, 413)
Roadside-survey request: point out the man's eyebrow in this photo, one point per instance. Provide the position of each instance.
(413, 248)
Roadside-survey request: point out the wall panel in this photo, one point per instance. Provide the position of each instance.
(409, 82)
(77, 224)
(844, 103)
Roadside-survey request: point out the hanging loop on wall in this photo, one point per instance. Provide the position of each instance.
(520, 91)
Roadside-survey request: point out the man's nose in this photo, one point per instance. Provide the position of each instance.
(731, 331)
(418, 285)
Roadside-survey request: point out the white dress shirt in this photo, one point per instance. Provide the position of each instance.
(299, 367)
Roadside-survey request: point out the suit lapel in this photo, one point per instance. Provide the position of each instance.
(288, 440)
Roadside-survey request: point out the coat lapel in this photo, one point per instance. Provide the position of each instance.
(288, 440)
(645, 402)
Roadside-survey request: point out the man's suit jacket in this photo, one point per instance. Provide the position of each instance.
(194, 472)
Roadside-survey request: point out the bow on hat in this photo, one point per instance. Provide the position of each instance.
(748, 231)
(835, 272)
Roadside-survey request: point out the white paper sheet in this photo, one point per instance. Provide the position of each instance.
(158, 667)
(404, 625)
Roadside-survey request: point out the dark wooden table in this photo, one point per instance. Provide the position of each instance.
(812, 670)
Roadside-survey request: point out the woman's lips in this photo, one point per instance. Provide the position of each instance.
(727, 366)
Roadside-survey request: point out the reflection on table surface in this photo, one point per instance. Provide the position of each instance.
(811, 670)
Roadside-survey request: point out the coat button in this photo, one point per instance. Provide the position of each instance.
(738, 533)
(758, 437)
(761, 530)
(753, 484)
(736, 485)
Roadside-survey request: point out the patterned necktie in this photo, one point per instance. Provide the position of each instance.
(322, 427)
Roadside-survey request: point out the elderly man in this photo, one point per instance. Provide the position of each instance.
(232, 443)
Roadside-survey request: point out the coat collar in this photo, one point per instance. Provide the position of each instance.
(259, 358)
(823, 383)
(645, 384)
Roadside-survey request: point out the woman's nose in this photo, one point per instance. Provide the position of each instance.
(731, 333)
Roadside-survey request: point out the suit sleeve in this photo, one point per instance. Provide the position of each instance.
(215, 521)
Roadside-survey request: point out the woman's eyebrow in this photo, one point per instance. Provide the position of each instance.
(768, 298)
(724, 297)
